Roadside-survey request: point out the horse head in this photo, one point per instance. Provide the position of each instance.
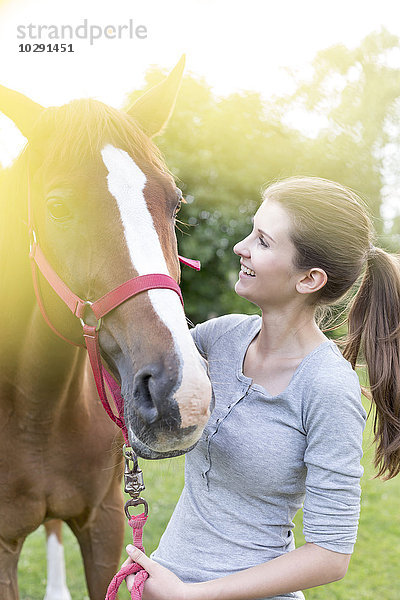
(104, 207)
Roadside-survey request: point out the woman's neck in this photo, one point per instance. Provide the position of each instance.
(288, 333)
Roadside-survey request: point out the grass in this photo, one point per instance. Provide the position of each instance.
(374, 572)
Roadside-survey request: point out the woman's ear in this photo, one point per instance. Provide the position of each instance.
(312, 281)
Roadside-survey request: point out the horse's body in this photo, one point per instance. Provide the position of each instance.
(59, 452)
(56, 458)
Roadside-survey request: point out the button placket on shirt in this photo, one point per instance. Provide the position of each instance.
(217, 423)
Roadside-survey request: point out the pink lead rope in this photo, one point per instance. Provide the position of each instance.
(137, 523)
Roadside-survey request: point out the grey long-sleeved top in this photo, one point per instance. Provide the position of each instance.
(261, 456)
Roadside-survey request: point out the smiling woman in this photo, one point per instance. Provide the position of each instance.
(274, 266)
(287, 426)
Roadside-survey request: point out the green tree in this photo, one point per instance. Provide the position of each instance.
(356, 92)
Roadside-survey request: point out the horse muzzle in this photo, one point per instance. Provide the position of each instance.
(167, 407)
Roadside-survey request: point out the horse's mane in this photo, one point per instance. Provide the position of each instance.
(84, 126)
(68, 136)
(13, 212)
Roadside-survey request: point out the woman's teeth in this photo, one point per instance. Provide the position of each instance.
(247, 271)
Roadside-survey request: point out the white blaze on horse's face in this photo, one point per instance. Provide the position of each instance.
(126, 183)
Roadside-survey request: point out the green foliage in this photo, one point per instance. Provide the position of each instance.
(209, 292)
(356, 92)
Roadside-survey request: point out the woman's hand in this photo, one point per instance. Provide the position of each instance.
(161, 584)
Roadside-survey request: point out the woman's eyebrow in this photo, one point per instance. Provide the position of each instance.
(261, 231)
(266, 235)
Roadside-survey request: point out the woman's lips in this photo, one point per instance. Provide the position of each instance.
(246, 271)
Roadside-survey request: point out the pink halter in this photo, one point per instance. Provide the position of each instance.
(100, 308)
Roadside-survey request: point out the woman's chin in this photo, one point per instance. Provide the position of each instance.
(237, 288)
(240, 289)
(243, 293)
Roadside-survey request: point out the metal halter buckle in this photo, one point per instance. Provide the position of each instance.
(32, 240)
(133, 502)
(133, 478)
(98, 325)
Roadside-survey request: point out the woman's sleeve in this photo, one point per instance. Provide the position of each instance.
(198, 340)
(334, 422)
(207, 333)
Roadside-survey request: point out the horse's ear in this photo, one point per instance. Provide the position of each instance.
(153, 109)
(20, 109)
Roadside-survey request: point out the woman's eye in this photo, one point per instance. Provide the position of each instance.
(59, 210)
(263, 242)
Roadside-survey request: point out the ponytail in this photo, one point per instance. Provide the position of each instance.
(374, 332)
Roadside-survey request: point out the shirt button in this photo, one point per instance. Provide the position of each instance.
(219, 420)
(229, 406)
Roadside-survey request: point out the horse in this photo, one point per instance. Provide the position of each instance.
(103, 205)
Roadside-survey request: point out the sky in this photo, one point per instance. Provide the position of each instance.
(233, 45)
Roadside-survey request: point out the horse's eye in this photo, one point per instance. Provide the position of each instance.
(178, 208)
(180, 199)
(58, 210)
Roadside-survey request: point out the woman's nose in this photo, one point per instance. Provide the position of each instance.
(241, 248)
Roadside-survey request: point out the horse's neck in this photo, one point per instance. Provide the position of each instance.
(17, 297)
(38, 370)
(43, 372)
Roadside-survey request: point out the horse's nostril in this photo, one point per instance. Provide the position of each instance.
(145, 405)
